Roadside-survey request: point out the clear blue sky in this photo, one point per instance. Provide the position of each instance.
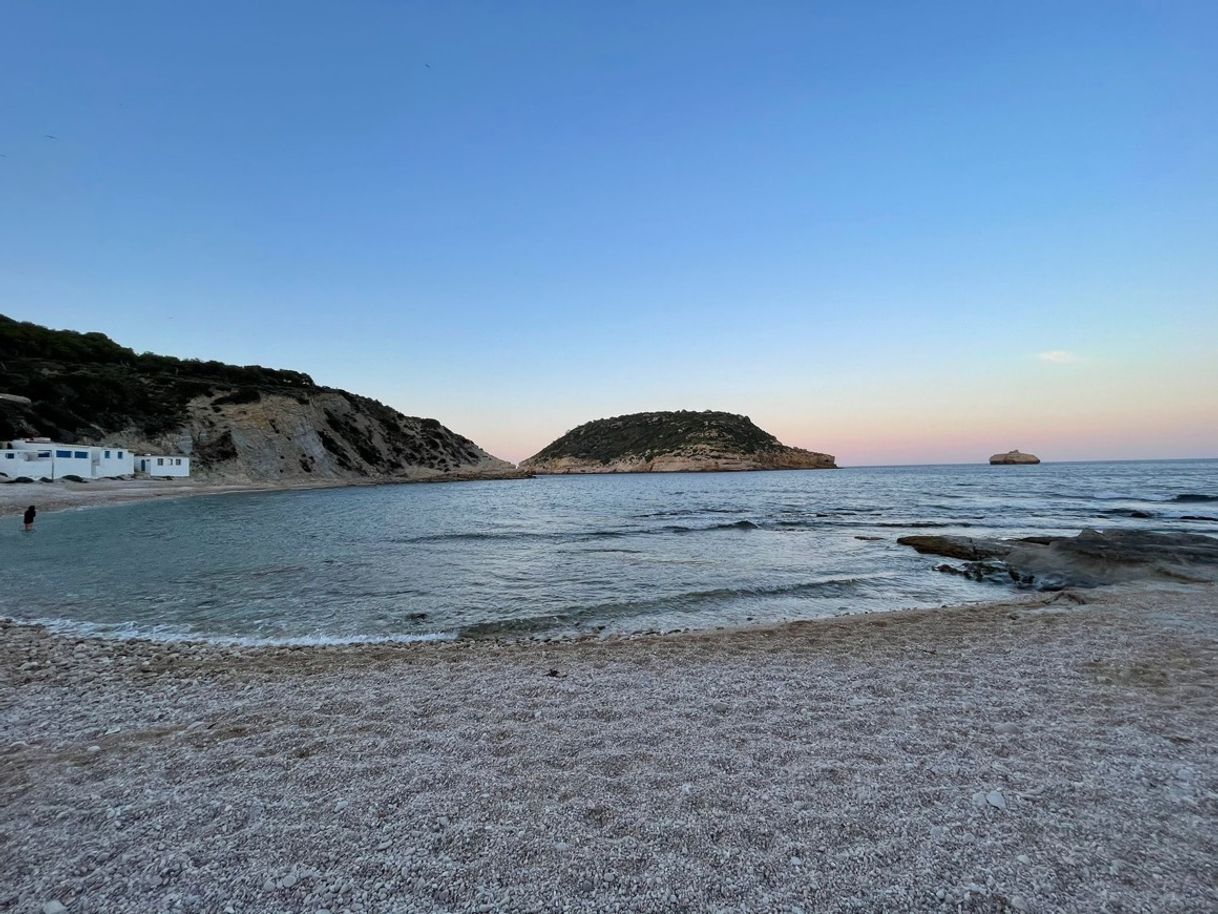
(898, 232)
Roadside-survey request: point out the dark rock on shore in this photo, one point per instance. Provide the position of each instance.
(957, 547)
(1091, 559)
(986, 572)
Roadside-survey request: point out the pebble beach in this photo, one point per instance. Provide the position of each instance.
(1053, 753)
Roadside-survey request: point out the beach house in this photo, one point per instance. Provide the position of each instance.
(163, 465)
(42, 458)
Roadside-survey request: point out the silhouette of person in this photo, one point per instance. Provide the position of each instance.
(30, 514)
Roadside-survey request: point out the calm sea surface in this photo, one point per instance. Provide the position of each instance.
(559, 554)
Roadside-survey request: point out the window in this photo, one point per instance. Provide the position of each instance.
(160, 461)
(82, 455)
(44, 455)
(10, 456)
(63, 453)
(120, 455)
(107, 455)
(177, 463)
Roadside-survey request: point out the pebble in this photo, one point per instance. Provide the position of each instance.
(996, 799)
(1017, 902)
(54, 906)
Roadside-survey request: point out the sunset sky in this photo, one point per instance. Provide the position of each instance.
(896, 232)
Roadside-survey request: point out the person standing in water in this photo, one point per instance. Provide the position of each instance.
(30, 514)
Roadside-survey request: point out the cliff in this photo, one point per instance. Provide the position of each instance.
(1013, 457)
(670, 442)
(238, 423)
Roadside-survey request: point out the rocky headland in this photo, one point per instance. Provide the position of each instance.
(239, 424)
(1011, 458)
(665, 442)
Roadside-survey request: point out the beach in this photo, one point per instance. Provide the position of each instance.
(1046, 753)
(62, 495)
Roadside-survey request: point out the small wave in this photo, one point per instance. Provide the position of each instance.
(475, 536)
(689, 512)
(734, 525)
(133, 631)
(1192, 498)
(922, 524)
(602, 613)
(1125, 512)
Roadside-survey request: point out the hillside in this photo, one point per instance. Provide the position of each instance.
(239, 423)
(671, 441)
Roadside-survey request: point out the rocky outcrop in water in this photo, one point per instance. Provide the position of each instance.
(238, 423)
(1013, 457)
(1091, 559)
(665, 442)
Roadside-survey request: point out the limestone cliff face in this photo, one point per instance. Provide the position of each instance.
(316, 435)
(666, 442)
(1013, 457)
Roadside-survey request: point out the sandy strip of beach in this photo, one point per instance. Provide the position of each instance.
(1039, 755)
(61, 495)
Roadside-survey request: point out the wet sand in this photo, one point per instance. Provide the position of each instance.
(61, 495)
(1046, 754)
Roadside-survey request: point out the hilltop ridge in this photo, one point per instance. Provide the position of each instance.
(238, 423)
(682, 440)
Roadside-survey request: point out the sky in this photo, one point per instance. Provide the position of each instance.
(895, 232)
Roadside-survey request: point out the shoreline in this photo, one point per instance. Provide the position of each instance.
(101, 493)
(984, 757)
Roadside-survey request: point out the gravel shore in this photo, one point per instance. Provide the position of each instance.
(1049, 754)
(62, 494)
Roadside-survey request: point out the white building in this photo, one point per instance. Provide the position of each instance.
(32, 463)
(162, 465)
(41, 458)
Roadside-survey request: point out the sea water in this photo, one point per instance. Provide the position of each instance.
(559, 555)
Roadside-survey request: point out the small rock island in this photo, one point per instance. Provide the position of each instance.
(667, 442)
(1013, 457)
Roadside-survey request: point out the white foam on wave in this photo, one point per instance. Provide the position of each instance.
(131, 631)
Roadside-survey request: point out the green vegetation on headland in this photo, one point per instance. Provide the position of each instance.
(671, 441)
(242, 422)
(85, 384)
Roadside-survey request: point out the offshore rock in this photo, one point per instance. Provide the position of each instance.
(1013, 457)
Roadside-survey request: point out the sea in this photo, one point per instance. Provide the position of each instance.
(560, 555)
